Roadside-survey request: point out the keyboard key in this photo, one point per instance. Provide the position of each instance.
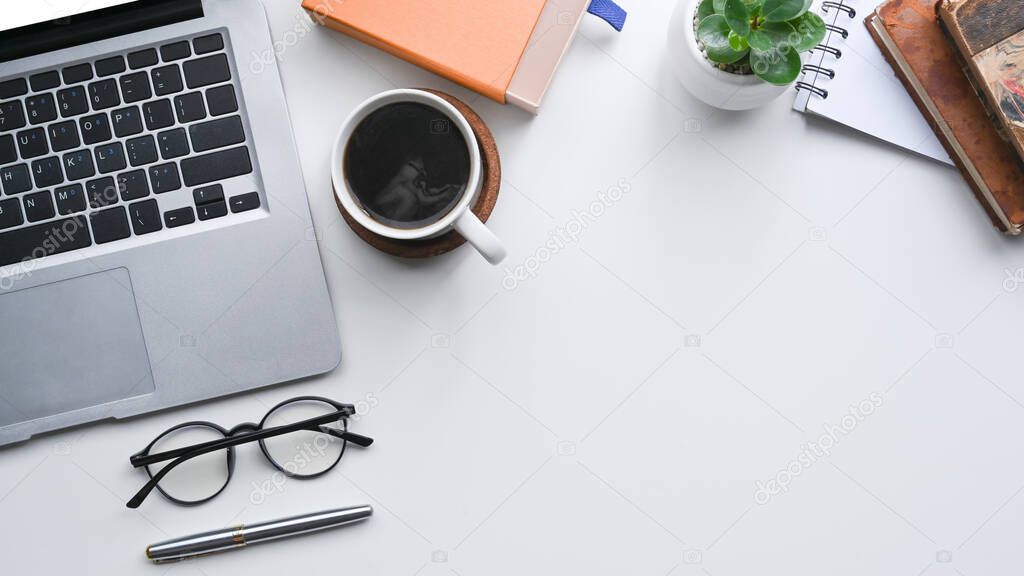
(133, 185)
(172, 143)
(245, 202)
(72, 101)
(208, 43)
(212, 210)
(70, 199)
(32, 143)
(108, 66)
(37, 241)
(77, 73)
(103, 94)
(175, 51)
(12, 88)
(208, 70)
(135, 87)
(40, 108)
(179, 217)
(221, 100)
(95, 128)
(216, 166)
(10, 215)
(166, 80)
(145, 217)
(164, 178)
(216, 133)
(127, 121)
(189, 107)
(15, 179)
(141, 150)
(110, 158)
(78, 165)
(8, 152)
(44, 81)
(63, 136)
(207, 194)
(110, 225)
(12, 115)
(158, 114)
(101, 192)
(46, 172)
(142, 58)
(38, 206)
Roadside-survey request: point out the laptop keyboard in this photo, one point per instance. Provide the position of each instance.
(90, 152)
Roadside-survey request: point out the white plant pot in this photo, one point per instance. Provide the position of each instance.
(702, 79)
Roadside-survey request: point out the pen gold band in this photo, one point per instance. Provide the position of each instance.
(238, 535)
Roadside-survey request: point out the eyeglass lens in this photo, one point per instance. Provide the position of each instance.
(196, 479)
(303, 452)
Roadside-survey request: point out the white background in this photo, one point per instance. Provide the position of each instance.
(573, 425)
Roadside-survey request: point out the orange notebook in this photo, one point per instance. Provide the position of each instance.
(507, 50)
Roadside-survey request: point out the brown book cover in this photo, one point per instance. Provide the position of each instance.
(910, 37)
(990, 37)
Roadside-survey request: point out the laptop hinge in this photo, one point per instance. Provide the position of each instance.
(95, 25)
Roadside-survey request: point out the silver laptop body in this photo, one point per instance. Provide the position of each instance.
(197, 274)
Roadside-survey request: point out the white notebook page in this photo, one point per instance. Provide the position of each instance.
(865, 94)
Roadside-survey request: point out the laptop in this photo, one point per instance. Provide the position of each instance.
(156, 245)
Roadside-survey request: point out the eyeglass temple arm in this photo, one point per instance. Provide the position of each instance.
(139, 460)
(142, 459)
(357, 439)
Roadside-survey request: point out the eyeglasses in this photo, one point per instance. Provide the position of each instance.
(193, 462)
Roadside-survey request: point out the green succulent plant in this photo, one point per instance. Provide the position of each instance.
(769, 35)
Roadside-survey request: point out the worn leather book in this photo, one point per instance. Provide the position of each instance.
(910, 37)
(990, 37)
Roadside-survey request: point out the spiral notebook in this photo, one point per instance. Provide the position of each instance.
(846, 79)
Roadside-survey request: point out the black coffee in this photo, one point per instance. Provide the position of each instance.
(407, 165)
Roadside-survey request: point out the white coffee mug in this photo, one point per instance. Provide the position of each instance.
(460, 218)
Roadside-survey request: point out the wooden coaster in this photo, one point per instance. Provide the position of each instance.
(491, 177)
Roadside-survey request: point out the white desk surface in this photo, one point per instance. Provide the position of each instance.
(613, 413)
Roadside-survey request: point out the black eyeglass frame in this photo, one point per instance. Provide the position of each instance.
(243, 434)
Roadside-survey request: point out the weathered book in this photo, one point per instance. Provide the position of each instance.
(990, 37)
(910, 37)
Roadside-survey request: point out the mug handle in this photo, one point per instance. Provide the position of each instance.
(481, 237)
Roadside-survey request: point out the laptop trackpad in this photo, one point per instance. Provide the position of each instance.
(70, 345)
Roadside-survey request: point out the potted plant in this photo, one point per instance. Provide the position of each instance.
(741, 54)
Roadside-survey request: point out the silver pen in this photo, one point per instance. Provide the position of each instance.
(240, 536)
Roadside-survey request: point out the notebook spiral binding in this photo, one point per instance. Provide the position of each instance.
(826, 7)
